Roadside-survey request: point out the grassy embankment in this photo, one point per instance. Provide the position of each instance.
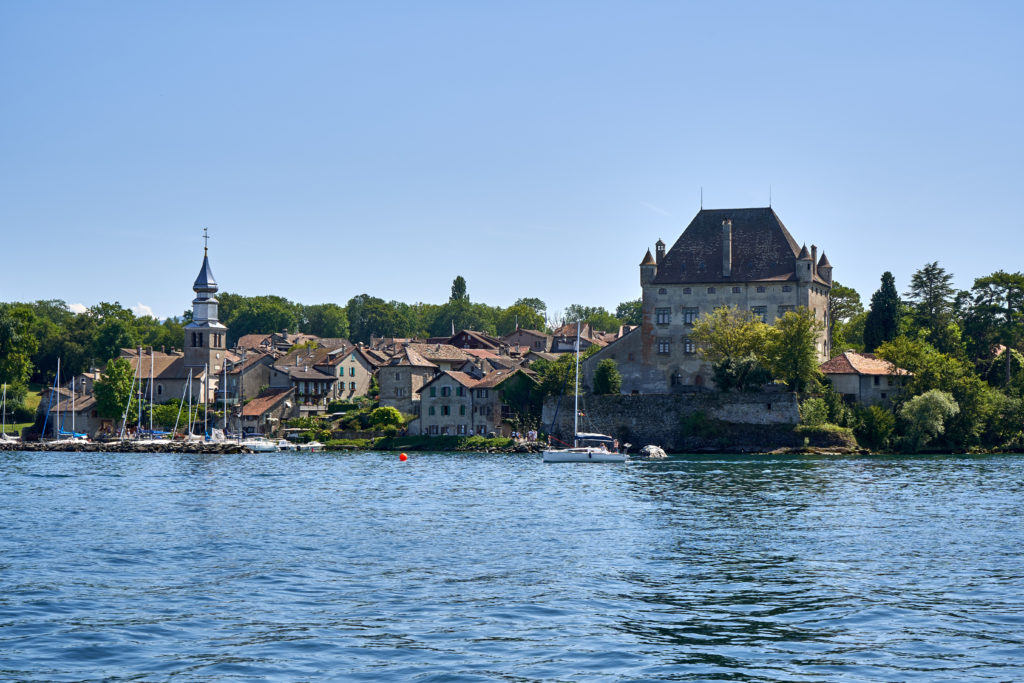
(32, 399)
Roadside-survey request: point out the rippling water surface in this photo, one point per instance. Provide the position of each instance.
(473, 567)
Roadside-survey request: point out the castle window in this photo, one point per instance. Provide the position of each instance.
(783, 310)
(711, 290)
(676, 379)
(689, 347)
(664, 346)
(662, 291)
(689, 315)
(687, 290)
(736, 290)
(662, 316)
(760, 290)
(787, 288)
(760, 312)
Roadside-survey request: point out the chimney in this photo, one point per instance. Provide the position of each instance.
(659, 251)
(727, 248)
(814, 258)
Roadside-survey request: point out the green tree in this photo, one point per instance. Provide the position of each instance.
(519, 316)
(596, 316)
(792, 350)
(325, 320)
(256, 314)
(385, 416)
(999, 310)
(630, 312)
(607, 379)
(370, 316)
(114, 390)
(883, 321)
(16, 348)
(931, 299)
(743, 374)
(539, 307)
(730, 333)
(844, 305)
(813, 412)
(875, 426)
(459, 290)
(926, 416)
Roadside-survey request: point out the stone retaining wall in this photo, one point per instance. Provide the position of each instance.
(643, 419)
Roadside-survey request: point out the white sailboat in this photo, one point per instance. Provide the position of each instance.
(594, 447)
(4, 436)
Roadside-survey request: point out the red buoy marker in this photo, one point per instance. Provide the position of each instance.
(403, 457)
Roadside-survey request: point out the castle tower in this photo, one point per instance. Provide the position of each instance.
(648, 269)
(205, 336)
(804, 266)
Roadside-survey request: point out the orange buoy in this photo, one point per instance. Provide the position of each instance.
(403, 457)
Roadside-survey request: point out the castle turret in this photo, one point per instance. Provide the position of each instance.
(648, 269)
(659, 251)
(825, 268)
(804, 266)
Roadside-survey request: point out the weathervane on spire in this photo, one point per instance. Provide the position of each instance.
(206, 241)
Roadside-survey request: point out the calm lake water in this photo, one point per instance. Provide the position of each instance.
(474, 568)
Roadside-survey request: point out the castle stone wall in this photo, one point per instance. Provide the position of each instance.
(657, 418)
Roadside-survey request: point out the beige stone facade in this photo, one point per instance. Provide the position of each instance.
(726, 257)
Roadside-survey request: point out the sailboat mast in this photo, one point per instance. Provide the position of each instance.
(72, 407)
(206, 397)
(150, 392)
(3, 410)
(224, 393)
(56, 385)
(576, 390)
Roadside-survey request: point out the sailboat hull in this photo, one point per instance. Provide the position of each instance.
(583, 455)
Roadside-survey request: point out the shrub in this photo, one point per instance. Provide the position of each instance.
(607, 379)
(875, 427)
(926, 416)
(385, 416)
(813, 412)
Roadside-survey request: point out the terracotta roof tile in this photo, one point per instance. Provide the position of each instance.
(265, 401)
(853, 363)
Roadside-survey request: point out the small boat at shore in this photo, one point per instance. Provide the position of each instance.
(259, 444)
(599, 451)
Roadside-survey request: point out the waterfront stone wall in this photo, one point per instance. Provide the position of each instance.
(748, 421)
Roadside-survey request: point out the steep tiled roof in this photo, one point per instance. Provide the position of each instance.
(648, 259)
(253, 341)
(439, 352)
(81, 403)
(251, 359)
(265, 401)
(411, 357)
(460, 377)
(853, 363)
(762, 249)
(495, 378)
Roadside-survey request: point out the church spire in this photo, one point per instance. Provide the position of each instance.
(205, 282)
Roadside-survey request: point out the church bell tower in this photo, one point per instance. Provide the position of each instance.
(205, 336)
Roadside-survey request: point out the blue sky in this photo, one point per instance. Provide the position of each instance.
(536, 149)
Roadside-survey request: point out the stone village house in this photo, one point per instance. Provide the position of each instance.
(457, 403)
(862, 378)
(725, 257)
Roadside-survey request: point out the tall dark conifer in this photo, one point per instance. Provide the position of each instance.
(883, 321)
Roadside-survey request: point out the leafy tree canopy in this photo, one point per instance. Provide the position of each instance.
(607, 379)
(730, 333)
